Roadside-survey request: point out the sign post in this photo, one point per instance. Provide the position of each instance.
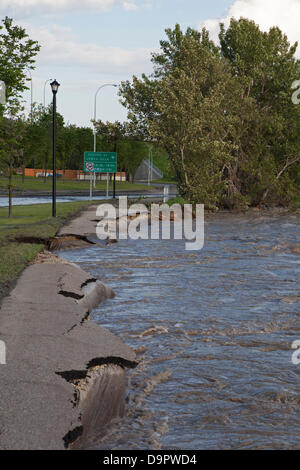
(100, 162)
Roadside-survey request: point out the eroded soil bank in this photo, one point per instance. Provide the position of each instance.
(59, 365)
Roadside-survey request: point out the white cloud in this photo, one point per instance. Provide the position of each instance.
(59, 48)
(22, 8)
(129, 6)
(266, 13)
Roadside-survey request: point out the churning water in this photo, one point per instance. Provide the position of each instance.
(213, 331)
(29, 200)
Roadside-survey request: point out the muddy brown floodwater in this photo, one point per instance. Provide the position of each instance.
(213, 330)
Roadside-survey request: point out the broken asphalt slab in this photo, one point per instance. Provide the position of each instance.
(49, 342)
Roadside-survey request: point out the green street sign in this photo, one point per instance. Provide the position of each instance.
(100, 162)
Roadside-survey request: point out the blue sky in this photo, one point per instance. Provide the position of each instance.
(86, 43)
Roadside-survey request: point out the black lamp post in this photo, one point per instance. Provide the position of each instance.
(114, 190)
(54, 87)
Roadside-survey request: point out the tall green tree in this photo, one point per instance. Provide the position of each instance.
(11, 150)
(266, 65)
(224, 115)
(17, 52)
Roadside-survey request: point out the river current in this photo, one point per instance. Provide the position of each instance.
(213, 330)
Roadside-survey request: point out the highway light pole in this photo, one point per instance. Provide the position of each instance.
(31, 94)
(95, 135)
(44, 95)
(54, 87)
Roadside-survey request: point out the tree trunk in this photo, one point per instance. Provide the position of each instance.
(266, 191)
(46, 165)
(10, 174)
(23, 165)
(45, 172)
(10, 192)
(184, 167)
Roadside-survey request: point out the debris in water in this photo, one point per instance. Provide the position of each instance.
(155, 329)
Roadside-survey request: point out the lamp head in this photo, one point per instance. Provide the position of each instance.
(54, 86)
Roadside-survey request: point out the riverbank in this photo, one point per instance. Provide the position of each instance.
(59, 365)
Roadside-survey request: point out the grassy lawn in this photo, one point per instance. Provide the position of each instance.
(37, 184)
(165, 180)
(32, 221)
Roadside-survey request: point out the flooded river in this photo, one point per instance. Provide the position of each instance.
(29, 200)
(213, 330)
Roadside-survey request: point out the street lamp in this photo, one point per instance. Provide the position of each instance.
(95, 133)
(54, 86)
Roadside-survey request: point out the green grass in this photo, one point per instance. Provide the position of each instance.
(165, 180)
(28, 221)
(37, 184)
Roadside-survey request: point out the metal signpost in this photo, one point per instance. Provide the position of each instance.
(100, 162)
(166, 193)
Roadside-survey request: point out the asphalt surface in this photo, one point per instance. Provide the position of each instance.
(49, 342)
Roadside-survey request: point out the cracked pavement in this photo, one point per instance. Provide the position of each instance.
(46, 333)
